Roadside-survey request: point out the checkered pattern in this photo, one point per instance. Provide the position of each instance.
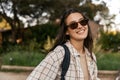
(49, 68)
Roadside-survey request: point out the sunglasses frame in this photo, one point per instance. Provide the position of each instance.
(74, 25)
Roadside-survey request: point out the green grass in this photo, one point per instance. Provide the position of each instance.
(22, 58)
(105, 60)
(108, 61)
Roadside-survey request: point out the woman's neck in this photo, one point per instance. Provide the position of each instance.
(78, 45)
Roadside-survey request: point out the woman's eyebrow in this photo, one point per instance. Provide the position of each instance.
(77, 21)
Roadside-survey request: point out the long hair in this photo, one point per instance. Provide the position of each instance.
(62, 37)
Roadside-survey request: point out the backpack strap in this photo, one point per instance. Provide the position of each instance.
(66, 62)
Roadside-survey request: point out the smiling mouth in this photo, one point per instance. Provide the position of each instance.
(80, 31)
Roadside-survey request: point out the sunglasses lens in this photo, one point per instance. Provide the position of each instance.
(73, 25)
(84, 22)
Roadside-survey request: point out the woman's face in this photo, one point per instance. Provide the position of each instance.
(77, 28)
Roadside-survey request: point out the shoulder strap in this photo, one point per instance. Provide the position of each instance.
(66, 62)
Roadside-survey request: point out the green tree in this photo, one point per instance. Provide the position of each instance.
(35, 10)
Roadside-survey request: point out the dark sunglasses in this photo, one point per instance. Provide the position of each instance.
(74, 25)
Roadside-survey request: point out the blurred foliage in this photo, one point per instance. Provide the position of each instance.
(91, 9)
(109, 41)
(37, 37)
(1, 19)
(40, 33)
(35, 8)
(34, 38)
(48, 43)
(108, 60)
(23, 58)
(42, 10)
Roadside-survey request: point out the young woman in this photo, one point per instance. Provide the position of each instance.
(76, 35)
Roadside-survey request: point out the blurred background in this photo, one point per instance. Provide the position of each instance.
(28, 29)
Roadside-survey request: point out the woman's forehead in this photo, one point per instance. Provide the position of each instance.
(74, 17)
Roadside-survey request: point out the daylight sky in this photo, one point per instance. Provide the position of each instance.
(114, 7)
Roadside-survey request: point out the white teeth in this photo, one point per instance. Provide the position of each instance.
(81, 31)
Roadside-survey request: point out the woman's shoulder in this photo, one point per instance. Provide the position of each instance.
(57, 52)
(59, 48)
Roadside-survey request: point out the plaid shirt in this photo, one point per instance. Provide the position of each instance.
(49, 68)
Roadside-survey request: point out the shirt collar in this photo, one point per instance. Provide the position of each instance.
(74, 52)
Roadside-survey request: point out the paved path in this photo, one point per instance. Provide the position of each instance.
(23, 76)
(103, 75)
(13, 75)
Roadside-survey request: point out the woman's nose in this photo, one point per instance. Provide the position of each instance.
(79, 25)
